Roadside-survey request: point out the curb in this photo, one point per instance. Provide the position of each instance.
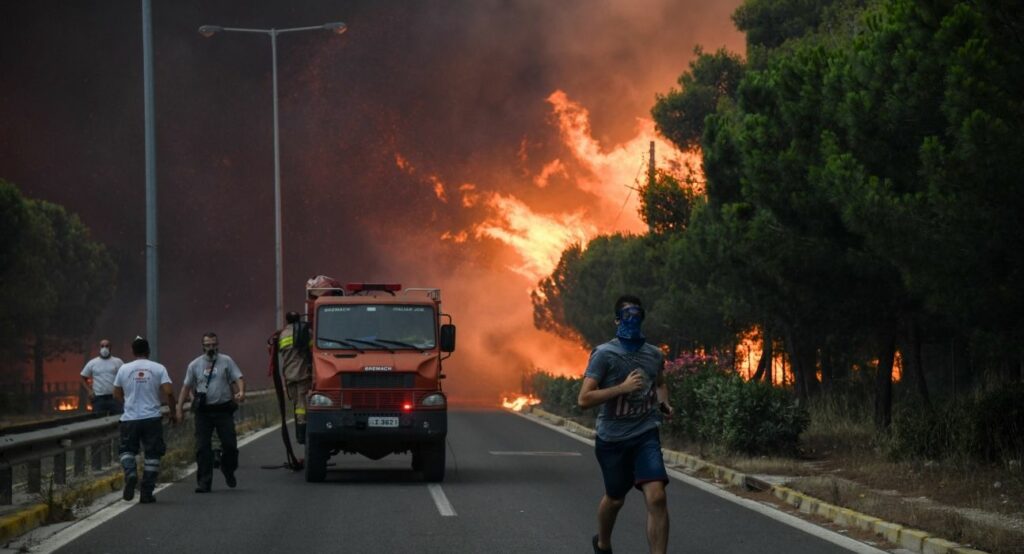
(914, 540)
(37, 515)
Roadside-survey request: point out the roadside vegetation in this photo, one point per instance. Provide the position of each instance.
(55, 281)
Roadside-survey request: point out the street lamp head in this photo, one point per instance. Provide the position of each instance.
(336, 27)
(210, 30)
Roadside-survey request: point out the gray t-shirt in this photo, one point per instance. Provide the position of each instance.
(627, 415)
(102, 372)
(224, 372)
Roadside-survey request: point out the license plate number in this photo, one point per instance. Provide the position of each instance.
(382, 421)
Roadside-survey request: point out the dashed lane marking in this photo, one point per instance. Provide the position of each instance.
(443, 505)
(531, 453)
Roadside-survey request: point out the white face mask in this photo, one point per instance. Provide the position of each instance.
(104, 352)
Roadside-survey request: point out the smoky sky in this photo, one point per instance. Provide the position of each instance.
(456, 88)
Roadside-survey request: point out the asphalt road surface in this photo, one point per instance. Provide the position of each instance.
(512, 485)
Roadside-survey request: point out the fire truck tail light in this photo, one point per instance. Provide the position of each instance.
(436, 399)
(407, 407)
(320, 401)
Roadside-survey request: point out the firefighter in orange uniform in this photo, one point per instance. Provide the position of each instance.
(294, 359)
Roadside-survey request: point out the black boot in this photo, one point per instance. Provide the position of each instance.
(300, 433)
(131, 478)
(148, 485)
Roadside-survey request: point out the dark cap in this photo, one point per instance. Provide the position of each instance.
(292, 317)
(140, 347)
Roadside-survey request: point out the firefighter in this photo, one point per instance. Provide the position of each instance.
(294, 358)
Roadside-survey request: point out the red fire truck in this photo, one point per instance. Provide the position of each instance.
(377, 351)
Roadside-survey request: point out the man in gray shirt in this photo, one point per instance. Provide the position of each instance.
(625, 378)
(218, 388)
(98, 378)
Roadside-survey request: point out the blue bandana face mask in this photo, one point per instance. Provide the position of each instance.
(629, 324)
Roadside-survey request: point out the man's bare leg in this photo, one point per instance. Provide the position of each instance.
(657, 516)
(607, 511)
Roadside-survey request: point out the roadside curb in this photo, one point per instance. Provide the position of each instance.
(914, 540)
(36, 515)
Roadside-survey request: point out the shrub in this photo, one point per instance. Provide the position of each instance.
(557, 394)
(749, 417)
(988, 427)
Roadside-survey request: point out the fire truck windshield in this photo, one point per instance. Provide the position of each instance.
(375, 327)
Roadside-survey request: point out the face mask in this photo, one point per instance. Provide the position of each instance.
(104, 352)
(629, 324)
(211, 351)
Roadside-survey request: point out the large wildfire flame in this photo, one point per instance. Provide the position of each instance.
(539, 233)
(569, 195)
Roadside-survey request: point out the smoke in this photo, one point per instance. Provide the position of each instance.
(437, 143)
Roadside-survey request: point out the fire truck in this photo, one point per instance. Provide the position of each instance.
(376, 390)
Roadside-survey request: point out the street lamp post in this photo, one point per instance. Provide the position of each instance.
(334, 27)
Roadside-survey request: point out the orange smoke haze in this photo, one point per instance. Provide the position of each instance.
(461, 144)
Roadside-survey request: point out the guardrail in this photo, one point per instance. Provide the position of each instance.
(100, 436)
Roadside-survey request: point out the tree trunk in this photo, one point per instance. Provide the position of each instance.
(794, 366)
(764, 365)
(38, 380)
(801, 358)
(917, 365)
(883, 383)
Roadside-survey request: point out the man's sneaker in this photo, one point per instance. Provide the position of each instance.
(229, 478)
(146, 498)
(129, 486)
(202, 489)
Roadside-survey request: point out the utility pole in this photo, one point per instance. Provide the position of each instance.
(152, 280)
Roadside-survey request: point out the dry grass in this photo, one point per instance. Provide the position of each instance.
(991, 532)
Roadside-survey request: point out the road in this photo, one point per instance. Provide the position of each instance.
(512, 486)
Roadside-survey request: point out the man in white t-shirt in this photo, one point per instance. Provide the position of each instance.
(101, 371)
(140, 384)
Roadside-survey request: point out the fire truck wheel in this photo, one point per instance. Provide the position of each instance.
(431, 456)
(316, 461)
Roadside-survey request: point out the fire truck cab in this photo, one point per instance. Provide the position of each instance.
(376, 389)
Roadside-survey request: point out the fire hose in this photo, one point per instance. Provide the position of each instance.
(292, 462)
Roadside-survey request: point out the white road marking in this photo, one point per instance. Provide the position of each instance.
(115, 506)
(531, 453)
(443, 506)
(782, 517)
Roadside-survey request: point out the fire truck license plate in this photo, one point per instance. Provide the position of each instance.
(381, 421)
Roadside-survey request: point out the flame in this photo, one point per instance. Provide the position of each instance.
(518, 402)
(67, 404)
(748, 357)
(439, 189)
(539, 239)
(611, 170)
(552, 168)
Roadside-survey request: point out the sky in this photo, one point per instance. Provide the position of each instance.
(460, 144)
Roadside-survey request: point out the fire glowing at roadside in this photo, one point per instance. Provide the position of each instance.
(67, 405)
(517, 403)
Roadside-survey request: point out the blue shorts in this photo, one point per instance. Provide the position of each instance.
(630, 463)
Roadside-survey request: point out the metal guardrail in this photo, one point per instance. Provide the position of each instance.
(99, 435)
